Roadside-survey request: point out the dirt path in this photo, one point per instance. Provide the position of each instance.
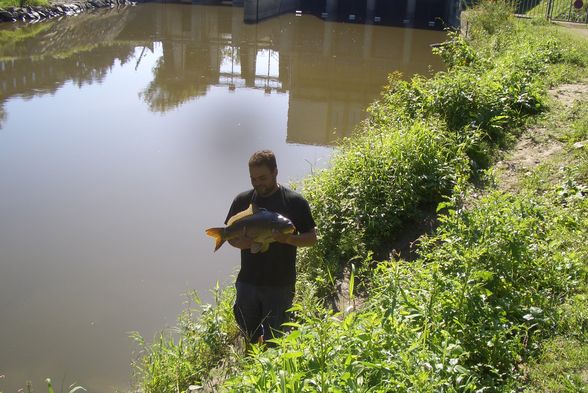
(542, 143)
(576, 28)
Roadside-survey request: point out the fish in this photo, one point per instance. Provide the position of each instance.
(255, 222)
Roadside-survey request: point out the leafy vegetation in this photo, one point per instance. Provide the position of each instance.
(488, 286)
(501, 275)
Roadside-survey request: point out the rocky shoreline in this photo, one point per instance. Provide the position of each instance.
(37, 13)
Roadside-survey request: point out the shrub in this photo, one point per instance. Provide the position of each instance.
(376, 184)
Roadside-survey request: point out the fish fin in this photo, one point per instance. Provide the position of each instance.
(245, 213)
(217, 234)
(256, 247)
(264, 247)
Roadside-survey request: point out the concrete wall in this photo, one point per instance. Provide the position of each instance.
(256, 10)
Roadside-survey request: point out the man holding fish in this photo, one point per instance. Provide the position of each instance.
(267, 223)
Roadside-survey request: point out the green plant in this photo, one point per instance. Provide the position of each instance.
(22, 3)
(189, 354)
(72, 388)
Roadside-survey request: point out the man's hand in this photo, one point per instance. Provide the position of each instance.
(306, 239)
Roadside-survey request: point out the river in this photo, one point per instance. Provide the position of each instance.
(124, 133)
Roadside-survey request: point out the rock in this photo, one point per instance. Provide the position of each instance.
(579, 145)
(12, 14)
(6, 16)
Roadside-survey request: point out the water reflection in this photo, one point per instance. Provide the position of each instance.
(81, 49)
(331, 71)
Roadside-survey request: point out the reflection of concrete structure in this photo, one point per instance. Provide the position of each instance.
(425, 13)
(256, 10)
(431, 13)
(330, 71)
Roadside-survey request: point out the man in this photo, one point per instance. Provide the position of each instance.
(266, 281)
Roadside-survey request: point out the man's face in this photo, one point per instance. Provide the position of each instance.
(263, 179)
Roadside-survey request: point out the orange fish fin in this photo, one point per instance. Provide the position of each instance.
(245, 213)
(217, 234)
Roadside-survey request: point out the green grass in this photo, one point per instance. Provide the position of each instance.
(22, 3)
(561, 368)
(501, 276)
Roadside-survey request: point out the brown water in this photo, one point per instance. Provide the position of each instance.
(125, 133)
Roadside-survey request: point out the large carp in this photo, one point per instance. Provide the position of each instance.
(256, 223)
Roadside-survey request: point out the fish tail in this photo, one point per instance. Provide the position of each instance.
(217, 234)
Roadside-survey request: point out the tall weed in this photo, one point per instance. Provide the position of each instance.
(204, 339)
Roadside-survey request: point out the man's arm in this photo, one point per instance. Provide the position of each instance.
(306, 239)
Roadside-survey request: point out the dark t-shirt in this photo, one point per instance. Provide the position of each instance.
(276, 266)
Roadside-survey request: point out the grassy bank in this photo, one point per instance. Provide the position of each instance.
(22, 3)
(501, 277)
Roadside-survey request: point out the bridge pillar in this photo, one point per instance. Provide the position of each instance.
(370, 11)
(410, 12)
(331, 9)
(248, 60)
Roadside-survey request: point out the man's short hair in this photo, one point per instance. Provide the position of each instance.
(263, 157)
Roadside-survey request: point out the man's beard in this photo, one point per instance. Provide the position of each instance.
(265, 190)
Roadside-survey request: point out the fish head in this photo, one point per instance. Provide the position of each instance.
(283, 224)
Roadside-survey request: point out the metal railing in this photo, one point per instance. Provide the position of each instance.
(559, 10)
